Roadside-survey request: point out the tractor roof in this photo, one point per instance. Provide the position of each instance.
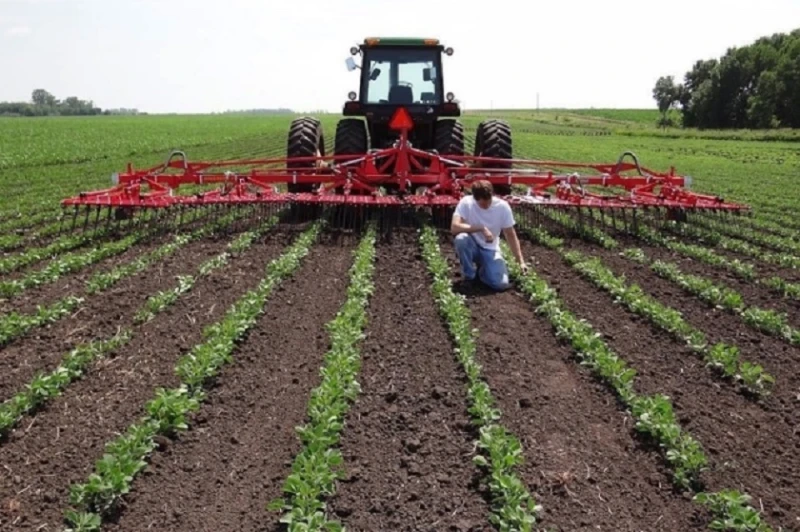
(399, 41)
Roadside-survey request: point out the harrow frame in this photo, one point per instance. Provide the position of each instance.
(400, 175)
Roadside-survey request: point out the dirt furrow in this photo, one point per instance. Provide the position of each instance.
(776, 355)
(408, 441)
(583, 461)
(222, 473)
(100, 316)
(70, 283)
(748, 444)
(60, 445)
(754, 294)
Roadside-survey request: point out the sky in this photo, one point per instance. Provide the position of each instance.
(213, 55)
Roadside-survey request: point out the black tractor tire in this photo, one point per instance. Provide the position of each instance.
(305, 140)
(351, 137)
(448, 137)
(493, 139)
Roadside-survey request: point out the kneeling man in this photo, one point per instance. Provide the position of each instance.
(477, 224)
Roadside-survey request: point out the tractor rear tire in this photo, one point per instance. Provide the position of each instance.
(493, 139)
(351, 137)
(305, 140)
(449, 137)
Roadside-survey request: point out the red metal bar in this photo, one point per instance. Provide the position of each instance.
(411, 176)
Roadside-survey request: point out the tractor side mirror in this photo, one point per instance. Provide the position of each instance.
(351, 64)
(429, 74)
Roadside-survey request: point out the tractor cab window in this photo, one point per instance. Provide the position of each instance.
(399, 76)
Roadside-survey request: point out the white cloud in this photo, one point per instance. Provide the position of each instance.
(18, 31)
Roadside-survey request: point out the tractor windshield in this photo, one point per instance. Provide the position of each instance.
(402, 76)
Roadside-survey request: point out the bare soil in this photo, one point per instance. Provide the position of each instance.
(221, 474)
(752, 446)
(100, 316)
(408, 443)
(60, 445)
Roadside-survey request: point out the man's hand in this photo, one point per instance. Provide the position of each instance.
(488, 235)
(525, 269)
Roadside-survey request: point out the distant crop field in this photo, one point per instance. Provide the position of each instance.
(229, 369)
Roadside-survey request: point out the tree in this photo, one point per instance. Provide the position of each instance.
(788, 73)
(750, 86)
(42, 98)
(763, 105)
(666, 95)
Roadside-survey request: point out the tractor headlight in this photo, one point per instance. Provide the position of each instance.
(354, 50)
(450, 96)
(448, 51)
(352, 95)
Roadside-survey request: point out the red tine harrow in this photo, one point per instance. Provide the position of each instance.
(400, 175)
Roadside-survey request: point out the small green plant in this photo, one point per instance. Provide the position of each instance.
(167, 413)
(15, 324)
(513, 508)
(667, 318)
(316, 468)
(732, 511)
(635, 255)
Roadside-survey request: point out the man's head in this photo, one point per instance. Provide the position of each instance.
(482, 192)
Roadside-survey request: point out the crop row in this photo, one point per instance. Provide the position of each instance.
(74, 364)
(654, 415)
(16, 324)
(738, 268)
(587, 231)
(645, 232)
(716, 295)
(13, 241)
(774, 242)
(721, 356)
(782, 287)
(19, 220)
(32, 255)
(156, 303)
(315, 469)
(167, 413)
(736, 245)
(513, 508)
(70, 263)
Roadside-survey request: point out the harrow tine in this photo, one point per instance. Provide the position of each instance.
(86, 218)
(97, 218)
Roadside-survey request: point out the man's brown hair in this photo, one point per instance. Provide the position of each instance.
(482, 190)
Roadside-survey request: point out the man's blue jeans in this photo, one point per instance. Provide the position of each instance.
(491, 267)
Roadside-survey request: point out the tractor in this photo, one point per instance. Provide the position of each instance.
(400, 147)
(399, 73)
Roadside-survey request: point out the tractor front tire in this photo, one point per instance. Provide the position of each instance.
(493, 139)
(449, 137)
(305, 140)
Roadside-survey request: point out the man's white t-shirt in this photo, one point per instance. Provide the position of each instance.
(497, 217)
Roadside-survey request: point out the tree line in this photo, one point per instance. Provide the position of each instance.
(45, 104)
(755, 86)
